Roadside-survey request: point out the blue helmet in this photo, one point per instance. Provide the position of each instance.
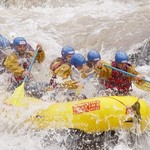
(67, 50)
(4, 43)
(93, 55)
(78, 60)
(121, 57)
(19, 41)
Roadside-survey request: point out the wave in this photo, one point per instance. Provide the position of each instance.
(60, 3)
(35, 3)
(141, 54)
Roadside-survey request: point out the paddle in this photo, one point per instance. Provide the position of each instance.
(17, 96)
(144, 86)
(84, 81)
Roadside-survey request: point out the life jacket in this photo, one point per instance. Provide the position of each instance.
(118, 81)
(24, 62)
(54, 65)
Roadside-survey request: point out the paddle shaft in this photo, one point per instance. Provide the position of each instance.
(84, 82)
(31, 64)
(88, 78)
(127, 73)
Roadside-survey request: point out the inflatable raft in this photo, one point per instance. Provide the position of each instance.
(90, 115)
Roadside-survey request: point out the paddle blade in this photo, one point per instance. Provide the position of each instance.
(17, 96)
(145, 86)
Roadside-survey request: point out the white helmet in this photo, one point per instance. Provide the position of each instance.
(11, 36)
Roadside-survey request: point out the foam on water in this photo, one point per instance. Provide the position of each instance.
(91, 24)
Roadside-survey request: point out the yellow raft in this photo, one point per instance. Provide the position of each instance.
(91, 115)
(95, 115)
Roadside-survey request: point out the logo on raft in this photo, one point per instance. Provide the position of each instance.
(86, 107)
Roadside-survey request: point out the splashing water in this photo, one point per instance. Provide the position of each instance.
(91, 24)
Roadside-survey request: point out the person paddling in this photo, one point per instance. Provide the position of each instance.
(119, 83)
(18, 61)
(67, 74)
(61, 65)
(5, 47)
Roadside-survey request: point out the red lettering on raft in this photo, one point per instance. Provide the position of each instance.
(86, 107)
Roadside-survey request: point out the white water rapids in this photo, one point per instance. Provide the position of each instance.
(105, 25)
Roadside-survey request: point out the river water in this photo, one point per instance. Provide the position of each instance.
(105, 25)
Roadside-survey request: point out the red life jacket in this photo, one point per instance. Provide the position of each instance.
(119, 82)
(24, 63)
(21, 78)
